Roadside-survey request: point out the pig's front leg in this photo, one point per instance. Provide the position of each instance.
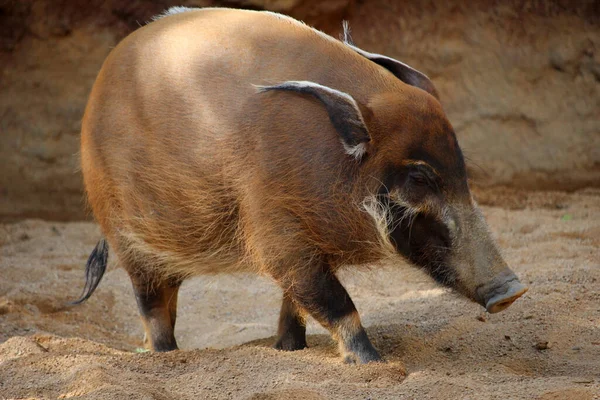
(321, 294)
(291, 333)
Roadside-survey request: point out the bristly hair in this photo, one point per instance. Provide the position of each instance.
(346, 36)
(94, 270)
(172, 11)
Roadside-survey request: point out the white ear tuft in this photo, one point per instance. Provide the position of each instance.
(346, 36)
(357, 151)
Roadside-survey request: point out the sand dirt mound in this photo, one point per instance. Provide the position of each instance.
(437, 345)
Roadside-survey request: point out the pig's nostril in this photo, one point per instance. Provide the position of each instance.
(502, 301)
(502, 305)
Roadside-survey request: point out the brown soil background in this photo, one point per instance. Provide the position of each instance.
(520, 81)
(436, 344)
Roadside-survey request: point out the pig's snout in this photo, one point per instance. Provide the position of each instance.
(501, 292)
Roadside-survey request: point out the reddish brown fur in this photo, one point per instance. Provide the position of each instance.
(151, 190)
(189, 170)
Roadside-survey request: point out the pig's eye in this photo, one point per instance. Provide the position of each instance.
(418, 178)
(422, 177)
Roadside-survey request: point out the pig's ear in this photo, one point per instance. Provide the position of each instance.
(402, 71)
(343, 111)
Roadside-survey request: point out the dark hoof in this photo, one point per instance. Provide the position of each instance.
(290, 344)
(363, 357)
(359, 350)
(164, 349)
(163, 345)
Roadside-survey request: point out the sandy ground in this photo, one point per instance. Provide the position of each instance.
(437, 345)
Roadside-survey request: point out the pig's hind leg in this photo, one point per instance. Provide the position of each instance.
(157, 303)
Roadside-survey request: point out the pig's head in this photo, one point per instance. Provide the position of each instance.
(431, 217)
(433, 221)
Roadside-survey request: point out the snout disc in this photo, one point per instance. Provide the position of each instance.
(502, 301)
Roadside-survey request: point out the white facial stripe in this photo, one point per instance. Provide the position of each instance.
(396, 196)
(451, 223)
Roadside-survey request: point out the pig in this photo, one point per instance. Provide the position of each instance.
(222, 140)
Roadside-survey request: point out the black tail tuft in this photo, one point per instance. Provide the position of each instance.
(94, 270)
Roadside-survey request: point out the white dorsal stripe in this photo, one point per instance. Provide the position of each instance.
(172, 11)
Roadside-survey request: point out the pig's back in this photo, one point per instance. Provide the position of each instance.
(176, 139)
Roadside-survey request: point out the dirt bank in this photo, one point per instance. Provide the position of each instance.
(437, 345)
(520, 81)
